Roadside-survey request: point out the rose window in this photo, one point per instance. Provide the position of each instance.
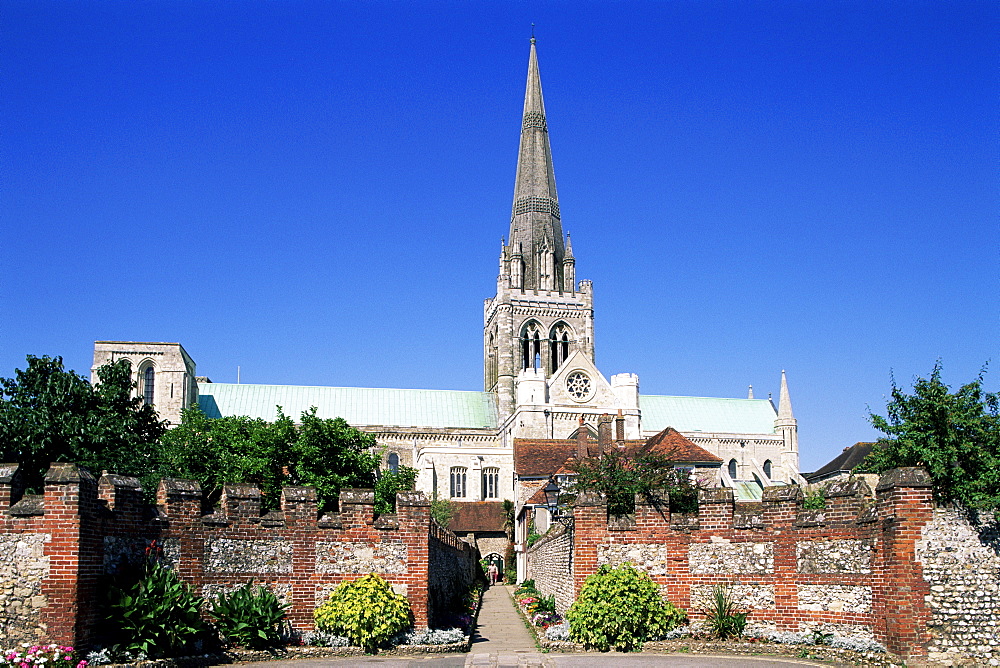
(578, 385)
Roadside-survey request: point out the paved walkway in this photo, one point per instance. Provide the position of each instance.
(500, 638)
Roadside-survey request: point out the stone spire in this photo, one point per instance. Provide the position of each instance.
(784, 401)
(788, 427)
(534, 223)
(750, 392)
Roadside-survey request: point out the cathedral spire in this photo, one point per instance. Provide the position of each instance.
(784, 400)
(535, 222)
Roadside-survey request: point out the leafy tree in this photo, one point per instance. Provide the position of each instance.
(49, 414)
(388, 484)
(620, 476)
(442, 510)
(954, 435)
(326, 454)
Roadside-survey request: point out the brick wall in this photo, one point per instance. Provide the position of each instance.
(887, 566)
(57, 548)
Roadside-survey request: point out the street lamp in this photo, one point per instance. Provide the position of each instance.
(552, 496)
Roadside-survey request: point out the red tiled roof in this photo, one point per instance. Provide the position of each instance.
(538, 498)
(672, 444)
(477, 516)
(542, 457)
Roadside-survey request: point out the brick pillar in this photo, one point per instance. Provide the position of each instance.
(781, 507)
(715, 509)
(413, 512)
(10, 491)
(357, 508)
(652, 515)
(300, 510)
(75, 554)
(590, 521)
(905, 505)
(123, 495)
(604, 434)
(299, 506)
(180, 507)
(845, 499)
(241, 503)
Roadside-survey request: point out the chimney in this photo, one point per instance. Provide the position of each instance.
(581, 441)
(604, 433)
(620, 430)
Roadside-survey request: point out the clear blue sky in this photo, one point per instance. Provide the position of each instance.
(316, 191)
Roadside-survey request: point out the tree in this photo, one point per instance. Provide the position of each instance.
(389, 483)
(620, 476)
(954, 436)
(326, 454)
(49, 414)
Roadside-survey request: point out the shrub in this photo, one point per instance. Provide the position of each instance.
(367, 611)
(249, 618)
(723, 619)
(620, 608)
(158, 616)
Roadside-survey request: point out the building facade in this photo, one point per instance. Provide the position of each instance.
(540, 379)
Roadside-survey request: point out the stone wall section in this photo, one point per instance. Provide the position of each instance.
(58, 550)
(960, 555)
(453, 565)
(550, 565)
(835, 556)
(23, 568)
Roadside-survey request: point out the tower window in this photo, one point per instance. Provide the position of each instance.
(458, 476)
(732, 469)
(394, 462)
(148, 385)
(491, 479)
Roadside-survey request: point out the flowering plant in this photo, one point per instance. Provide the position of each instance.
(545, 619)
(27, 656)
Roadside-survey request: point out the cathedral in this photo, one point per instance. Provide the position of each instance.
(539, 376)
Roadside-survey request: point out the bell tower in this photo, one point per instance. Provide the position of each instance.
(540, 315)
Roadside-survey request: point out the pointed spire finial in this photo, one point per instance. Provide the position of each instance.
(532, 33)
(784, 399)
(750, 392)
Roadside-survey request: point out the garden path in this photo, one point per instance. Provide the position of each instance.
(500, 639)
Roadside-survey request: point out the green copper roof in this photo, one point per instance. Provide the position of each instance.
(357, 405)
(708, 414)
(747, 491)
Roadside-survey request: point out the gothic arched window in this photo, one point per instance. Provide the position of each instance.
(732, 469)
(394, 462)
(148, 384)
(458, 475)
(491, 480)
(767, 467)
(531, 345)
(559, 340)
